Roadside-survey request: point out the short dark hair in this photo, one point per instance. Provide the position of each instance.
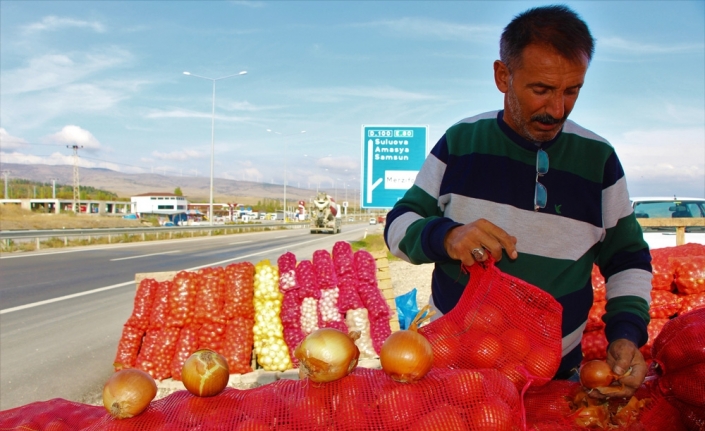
(556, 26)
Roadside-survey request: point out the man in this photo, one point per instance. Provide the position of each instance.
(527, 183)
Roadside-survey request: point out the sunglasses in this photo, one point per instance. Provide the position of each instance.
(540, 193)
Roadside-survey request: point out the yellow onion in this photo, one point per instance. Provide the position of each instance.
(406, 356)
(205, 373)
(128, 393)
(327, 354)
(597, 374)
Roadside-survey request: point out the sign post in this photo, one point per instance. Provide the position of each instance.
(391, 158)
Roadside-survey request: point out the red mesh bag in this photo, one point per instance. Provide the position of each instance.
(324, 270)
(208, 306)
(598, 285)
(163, 352)
(158, 316)
(143, 304)
(238, 291)
(181, 299)
(291, 304)
(128, 347)
(457, 400)
(664, 304)
(594, 321)
(679, 350)
(689, 273)
(661, 269)
(501, 322)
(237, 345)
(378, 311)
(148, 352)
(211, 336)
(594, 345)
(186, 344)
(692, 302)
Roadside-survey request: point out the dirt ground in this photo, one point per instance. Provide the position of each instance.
(13, 217)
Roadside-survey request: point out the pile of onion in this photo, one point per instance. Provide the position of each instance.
(205, 373)
(598, 375)
(128, 393)
(407, 356)
(327, 354)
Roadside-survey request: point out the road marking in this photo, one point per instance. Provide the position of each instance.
(145, 255)
(241, 242)
(63, 298)
(127, 283)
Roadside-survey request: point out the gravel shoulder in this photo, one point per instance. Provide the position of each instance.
(406, 276)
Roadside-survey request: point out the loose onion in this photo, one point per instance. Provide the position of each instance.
(327, 354)
(406, 356)
(128, 393)
(598, 375)
(205, 373)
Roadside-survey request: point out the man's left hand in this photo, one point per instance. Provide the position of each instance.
(622, 355)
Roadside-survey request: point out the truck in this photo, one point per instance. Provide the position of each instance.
(325, 214)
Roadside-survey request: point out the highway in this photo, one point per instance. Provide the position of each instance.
(62, 311)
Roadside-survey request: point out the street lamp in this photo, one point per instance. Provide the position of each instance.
(210, 205)
(285, 145)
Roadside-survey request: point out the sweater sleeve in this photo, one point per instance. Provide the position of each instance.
(416, 228)
(624, 260)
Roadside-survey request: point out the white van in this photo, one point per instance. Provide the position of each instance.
(373, 220)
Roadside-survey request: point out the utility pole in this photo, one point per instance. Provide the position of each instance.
(53, 188)
(76, 193)
(6, 173)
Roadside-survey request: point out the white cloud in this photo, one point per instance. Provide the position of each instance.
(338, 163)
(54, 70)
(9, 142)
(179, 155)
(663, 162)
(633, 47)
(74, 135)
(250, 4)
(184, 113)
(64, 159)
(338, 94)
(422, 28)
(51, 23)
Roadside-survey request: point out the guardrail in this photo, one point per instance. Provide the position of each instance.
(166, 231)
(679, 223)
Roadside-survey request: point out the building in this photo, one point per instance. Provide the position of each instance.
(159, 203)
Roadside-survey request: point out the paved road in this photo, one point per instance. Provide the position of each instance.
(62, 311)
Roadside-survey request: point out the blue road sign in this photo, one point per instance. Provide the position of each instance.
(391, 158)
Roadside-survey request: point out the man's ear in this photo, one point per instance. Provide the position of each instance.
(501, 76)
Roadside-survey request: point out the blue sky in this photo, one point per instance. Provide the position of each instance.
(109, 76)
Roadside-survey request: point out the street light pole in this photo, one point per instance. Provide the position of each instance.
(285, 156)
(210, 204)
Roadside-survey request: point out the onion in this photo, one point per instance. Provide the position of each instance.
(406, 356)
(205, 373)
(598, 375)
(327, 354)
(128, 393)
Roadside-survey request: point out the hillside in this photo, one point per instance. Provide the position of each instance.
(125, 185)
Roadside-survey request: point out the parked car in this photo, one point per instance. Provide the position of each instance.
(670, 208)
(373, 220)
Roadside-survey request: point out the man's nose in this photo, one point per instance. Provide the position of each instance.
(555, 106)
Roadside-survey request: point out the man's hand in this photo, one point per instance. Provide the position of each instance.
(622, 355)
(461, 240)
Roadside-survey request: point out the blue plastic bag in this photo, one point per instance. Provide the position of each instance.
(407, 308)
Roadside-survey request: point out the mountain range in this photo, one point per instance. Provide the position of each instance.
(195, 189)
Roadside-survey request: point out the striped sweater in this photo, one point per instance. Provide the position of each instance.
(481, 168)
